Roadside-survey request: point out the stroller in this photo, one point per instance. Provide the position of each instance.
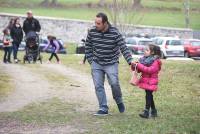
(32, 48)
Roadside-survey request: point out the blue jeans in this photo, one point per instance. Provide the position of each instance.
(15, 50)
(7, 53)
(98, 75)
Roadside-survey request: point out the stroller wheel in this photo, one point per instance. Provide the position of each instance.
(40, 58)
(24, 59)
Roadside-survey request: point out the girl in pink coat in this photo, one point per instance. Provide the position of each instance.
(149, 67)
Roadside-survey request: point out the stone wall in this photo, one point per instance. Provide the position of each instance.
(70, 30)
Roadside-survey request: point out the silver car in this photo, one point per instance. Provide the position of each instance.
(170, 46)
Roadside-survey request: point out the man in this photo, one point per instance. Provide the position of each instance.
(103, 46)
(31, 24)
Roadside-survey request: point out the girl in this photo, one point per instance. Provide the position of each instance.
(55, 47)
(7, 44)
(149, 66)
(17, 36)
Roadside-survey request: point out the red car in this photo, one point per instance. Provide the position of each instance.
(192, 48)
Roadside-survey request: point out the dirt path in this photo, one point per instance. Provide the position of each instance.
(29, 88)
(83, 90)
(33, 86)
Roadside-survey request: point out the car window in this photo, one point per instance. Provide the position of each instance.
(130, 41)
(45, 41)
(145, 43)
(159, 41)
(175, 42)
(195, 43)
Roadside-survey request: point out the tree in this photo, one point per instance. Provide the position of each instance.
(137, 4)
(48, 3)
(123, 15)
(186, 12)
(101, 3)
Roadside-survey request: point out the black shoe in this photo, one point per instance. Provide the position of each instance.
(154, 113)
(101, 113)
(145, 114)
(121, 107)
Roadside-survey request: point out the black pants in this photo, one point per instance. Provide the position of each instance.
(54, 54)
(149, 100)
(7, 53)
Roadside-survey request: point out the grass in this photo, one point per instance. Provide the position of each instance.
(6, 85)
(167, 18)
(177, 101)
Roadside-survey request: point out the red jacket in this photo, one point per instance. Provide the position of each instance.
(149, 77)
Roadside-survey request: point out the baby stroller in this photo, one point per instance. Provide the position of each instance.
(32, 49)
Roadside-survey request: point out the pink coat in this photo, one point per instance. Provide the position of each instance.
(149, 77)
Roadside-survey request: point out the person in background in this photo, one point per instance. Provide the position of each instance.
(31, 23)
(10, 24)
(17, 36)
(7, 44)
(55, 46)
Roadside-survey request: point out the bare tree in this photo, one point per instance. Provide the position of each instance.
(137, 4)
(123, 15)
(101, 3)
(186, 12)
(48, 3)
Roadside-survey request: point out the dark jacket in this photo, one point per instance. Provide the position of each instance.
(31, 24)
(16, 34)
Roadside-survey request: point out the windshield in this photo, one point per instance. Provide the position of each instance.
(196, 43)
(130, 41)
(145, 43)
(175, 42)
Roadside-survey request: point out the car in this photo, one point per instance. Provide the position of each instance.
(1, 44)
(191, 48)
(137, 45)
(43, 42)
(80, 49)
(170, 46)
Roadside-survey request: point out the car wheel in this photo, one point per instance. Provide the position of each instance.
(186, 55)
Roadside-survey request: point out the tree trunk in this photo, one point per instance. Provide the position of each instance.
(101, 3)
(54, 2)
(137, 3)
(45, 3)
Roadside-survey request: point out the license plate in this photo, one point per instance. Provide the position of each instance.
(176, 52)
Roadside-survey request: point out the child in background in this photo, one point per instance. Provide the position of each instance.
(149, 67)
(7, 44)
(55, 48)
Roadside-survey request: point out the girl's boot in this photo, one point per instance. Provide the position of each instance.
(154, 113)
(145, 114)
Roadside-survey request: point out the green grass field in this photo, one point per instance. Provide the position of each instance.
(153, 17)
(177, 101)
(167, 18)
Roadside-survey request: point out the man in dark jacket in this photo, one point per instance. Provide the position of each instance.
(31, 24)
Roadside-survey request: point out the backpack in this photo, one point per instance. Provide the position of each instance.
(60, 44)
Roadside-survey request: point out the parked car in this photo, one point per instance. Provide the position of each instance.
(44, 42)
(1, 44)
(137, 45)
(80, 49)
(191, 48)
(170, 46)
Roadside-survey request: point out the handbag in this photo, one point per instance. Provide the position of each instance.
(135, 77)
